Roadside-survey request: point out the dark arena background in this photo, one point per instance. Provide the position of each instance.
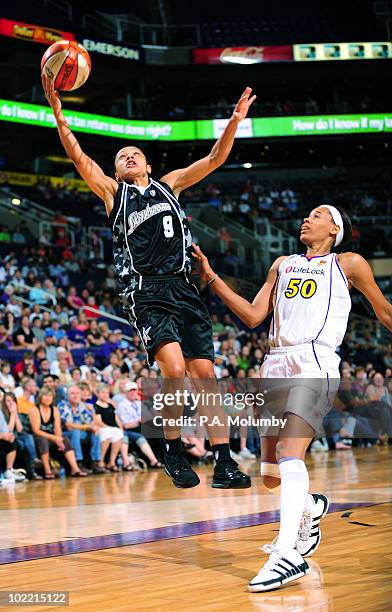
(165, 77)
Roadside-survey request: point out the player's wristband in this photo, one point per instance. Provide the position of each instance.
(213, 279)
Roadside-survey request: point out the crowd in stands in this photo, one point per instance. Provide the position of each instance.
(70, 379)
(197, 103)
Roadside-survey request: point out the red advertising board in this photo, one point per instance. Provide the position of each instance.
(34, 33)
(243, 55)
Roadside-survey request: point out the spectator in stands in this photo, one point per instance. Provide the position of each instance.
(64, 372)
(5, 336)
(93, 335)
(55, 331)
(107, 372)
(5, 234)
(13, 306)
(21, 366)
(76, 375)
(83, 323)
(110, 432)
(77, 419)
(37, 330)
(8, 446)
(87, 398)
(37, 294)
(46, 426)
(24, 438)
(73, 300)
(91, 308)
(61, 355)
(377, 391)
(7, 381)
(23, 337)
(88, 366)
(128, 410)
(76, 336)
(43, 370)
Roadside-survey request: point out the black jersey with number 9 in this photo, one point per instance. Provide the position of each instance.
(151, 235)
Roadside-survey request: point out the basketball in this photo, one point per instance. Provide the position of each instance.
(67, 63)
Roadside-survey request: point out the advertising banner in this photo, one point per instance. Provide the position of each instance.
(33, 33)
(132, 53)
(322, 124)
(243, 55)
(33, 114)
(265, 127)
(342, 51)
(23, 179)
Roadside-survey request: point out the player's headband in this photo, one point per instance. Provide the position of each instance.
(337, 219)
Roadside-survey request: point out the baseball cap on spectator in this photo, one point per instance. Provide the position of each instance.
(123, 344)
(130, 385)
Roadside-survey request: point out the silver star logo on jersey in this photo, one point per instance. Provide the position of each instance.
(145, 334)
(133, 283)
(124, 272)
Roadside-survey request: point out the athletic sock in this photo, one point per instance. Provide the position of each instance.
(221, 452)
(173, 447)
(294, 487)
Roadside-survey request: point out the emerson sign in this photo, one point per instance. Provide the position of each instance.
(105, 48)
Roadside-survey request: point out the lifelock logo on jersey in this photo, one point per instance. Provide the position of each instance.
(300, 270)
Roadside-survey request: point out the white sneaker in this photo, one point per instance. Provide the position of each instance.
(309, 534)
(319, 446)
(245, 454)
(235, 457)
(282, 567)
(14, 475)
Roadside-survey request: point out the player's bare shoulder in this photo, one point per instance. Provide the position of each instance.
(349, 261)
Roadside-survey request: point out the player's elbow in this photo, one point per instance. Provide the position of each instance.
(216, 159)
(251, 319)
(385, 316)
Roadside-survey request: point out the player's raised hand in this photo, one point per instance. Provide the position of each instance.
(244, 103)
(205, 270)
(50, 93)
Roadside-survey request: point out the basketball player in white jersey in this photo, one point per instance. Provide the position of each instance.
(309, 297)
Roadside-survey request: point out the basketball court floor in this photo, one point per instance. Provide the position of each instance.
(134, 542)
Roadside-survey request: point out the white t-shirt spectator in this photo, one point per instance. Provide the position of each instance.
(7, 381)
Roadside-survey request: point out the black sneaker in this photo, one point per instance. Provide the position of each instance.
(179, 470)
(228, 476)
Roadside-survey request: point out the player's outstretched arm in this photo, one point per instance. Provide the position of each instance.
(361, 276)
(179, 180)
(102, 185)
(252, 314)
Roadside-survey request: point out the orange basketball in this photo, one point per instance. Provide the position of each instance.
(67, 63)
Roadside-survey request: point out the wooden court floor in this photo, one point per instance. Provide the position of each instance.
(134, 542)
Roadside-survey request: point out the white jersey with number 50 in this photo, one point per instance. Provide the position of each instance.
(311, 302)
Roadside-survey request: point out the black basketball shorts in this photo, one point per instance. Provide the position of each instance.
(169, 308)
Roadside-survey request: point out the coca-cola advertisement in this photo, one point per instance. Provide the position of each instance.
(243, 55)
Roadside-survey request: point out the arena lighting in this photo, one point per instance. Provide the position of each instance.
(236, 59)
(58, 160)
(247, 165)
(75, 99)
(16, 201)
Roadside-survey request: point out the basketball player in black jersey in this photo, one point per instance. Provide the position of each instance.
(152, 254)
